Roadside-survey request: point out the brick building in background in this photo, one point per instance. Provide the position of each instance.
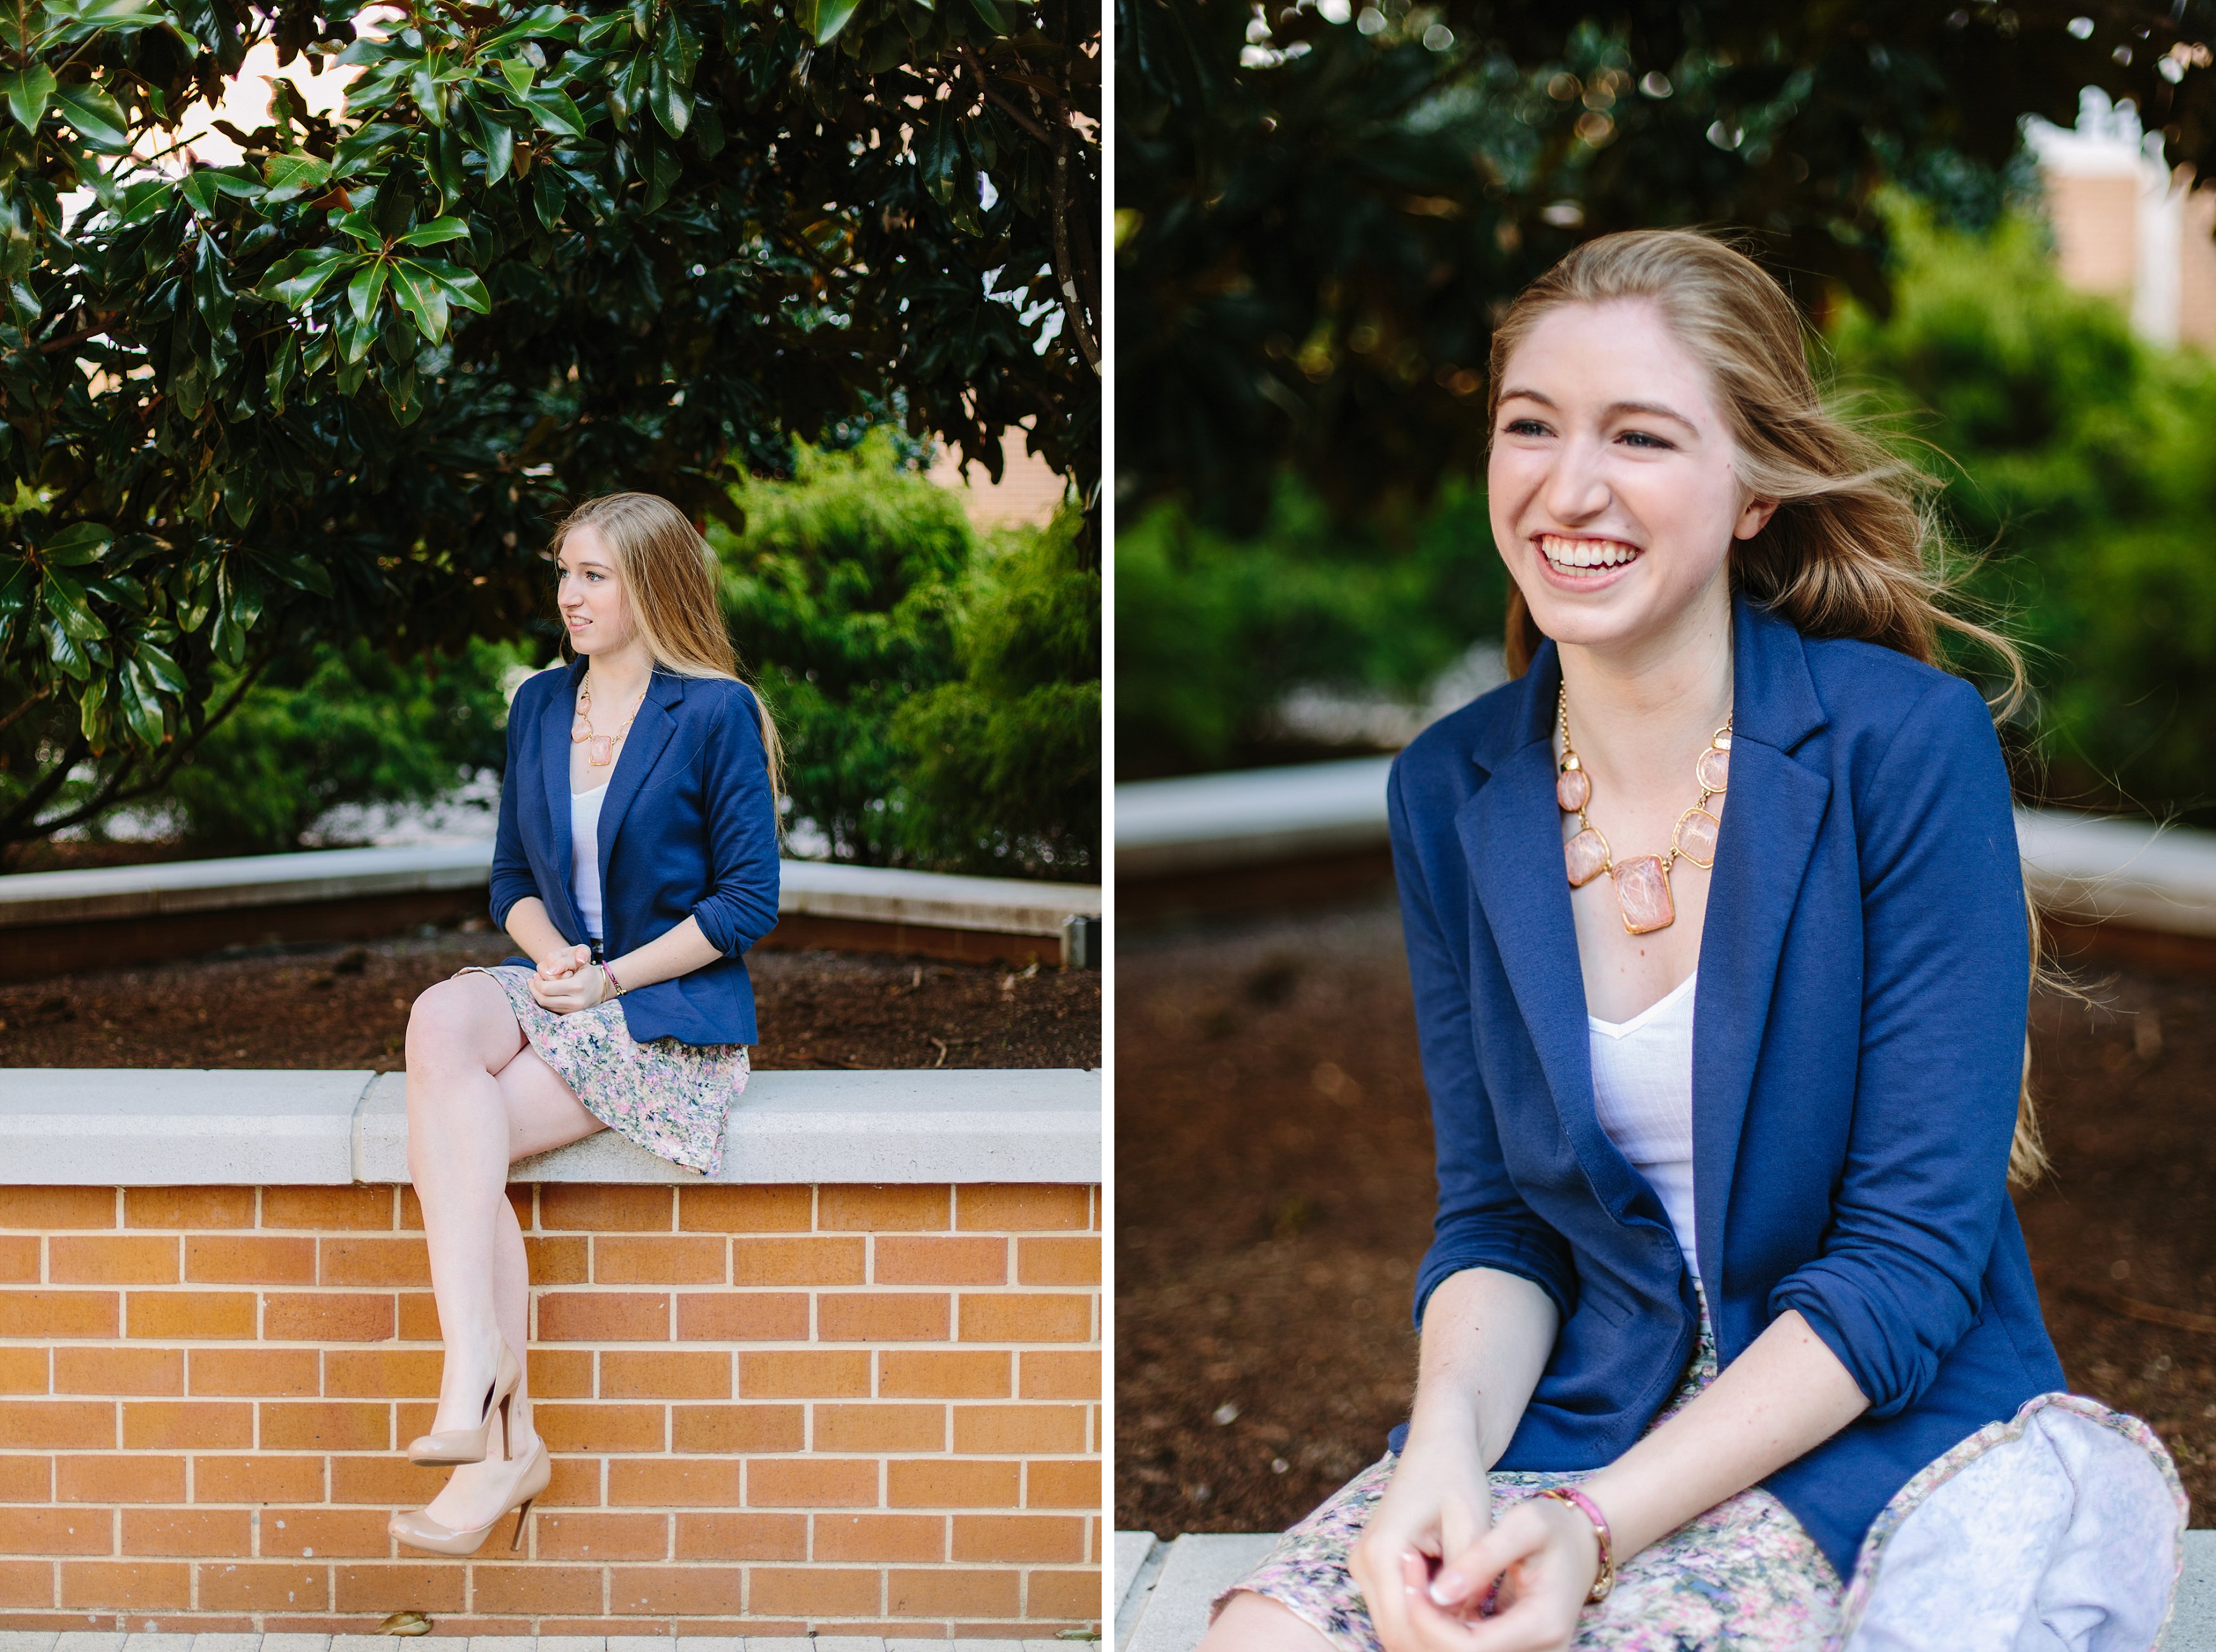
(2126, 225)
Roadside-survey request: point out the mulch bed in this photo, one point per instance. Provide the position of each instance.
(1274, 1190)
(347, 1007)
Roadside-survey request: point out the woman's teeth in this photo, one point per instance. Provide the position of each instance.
(1568, 553)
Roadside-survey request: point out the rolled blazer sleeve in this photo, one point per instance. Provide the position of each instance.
(741, 906)
(1945, 990)
(1481, 1220)
(511, 868)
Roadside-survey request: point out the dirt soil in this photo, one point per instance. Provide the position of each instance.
(346, 1006)
(1274, 1177)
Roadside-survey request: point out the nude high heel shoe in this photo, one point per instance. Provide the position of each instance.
(419, 1530)
(468, 1445)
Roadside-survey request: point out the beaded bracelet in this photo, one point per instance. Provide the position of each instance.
(609, 976)
(1591, 1510)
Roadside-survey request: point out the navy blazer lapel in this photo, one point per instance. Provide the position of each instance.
(1511, 836)
(650, 729)
(554, 724)
(1771, 818)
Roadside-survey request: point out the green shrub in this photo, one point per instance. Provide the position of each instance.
(341, 725)
(2082, 462)
(1004, 771)
(939, 699)
(1213, 632)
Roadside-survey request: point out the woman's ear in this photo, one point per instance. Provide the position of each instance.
(1753, 517)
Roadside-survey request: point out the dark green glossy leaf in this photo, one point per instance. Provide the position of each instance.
(548, 196)
(364, 290)
(65, 602)
(75, 546)
(554, 112)
(422, 296)
(165, 671)
(292, 175)
(295, 279)
(437, 232)
(140, 702)
(832, 17)
(518, 74)
(97, 117)
(27, 91)
(461, 286)
(671, 102)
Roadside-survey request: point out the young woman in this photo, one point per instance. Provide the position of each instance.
(636, 864)
(1720, 958)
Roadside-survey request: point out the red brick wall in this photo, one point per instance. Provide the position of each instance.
(856, 1409)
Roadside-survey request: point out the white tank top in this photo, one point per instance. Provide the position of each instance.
(1642, 1072)
(585, 854)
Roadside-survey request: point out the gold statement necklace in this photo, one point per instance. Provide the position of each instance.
(1642, 883)
(600, 749)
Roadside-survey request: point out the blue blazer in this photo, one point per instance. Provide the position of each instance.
(688, 828)
(1857, 1046)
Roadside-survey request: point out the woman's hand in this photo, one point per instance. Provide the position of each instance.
(1530, 1575)
(1436, 1505)
(568, 981)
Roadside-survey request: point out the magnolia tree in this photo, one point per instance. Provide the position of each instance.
(1323, 205)
(337, 388)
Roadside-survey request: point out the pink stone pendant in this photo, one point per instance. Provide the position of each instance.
(581, 730)
(1587, 854)
(1572, 790)
(1695, 837)
(600, 751)
(1642, 892)
(1713, 767)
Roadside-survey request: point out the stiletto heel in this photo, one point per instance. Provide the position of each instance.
(507, 1451)
(468, 1445)
(419, 1530)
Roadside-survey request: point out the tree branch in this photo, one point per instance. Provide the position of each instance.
(985, 87)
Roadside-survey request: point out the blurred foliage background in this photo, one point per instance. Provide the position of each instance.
(938, 689)
(1322, 207)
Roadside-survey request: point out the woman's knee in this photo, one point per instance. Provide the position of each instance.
(452, 1023)
(1254, 1622)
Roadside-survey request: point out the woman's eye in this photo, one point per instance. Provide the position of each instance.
(1641, 439)
(1526, 428)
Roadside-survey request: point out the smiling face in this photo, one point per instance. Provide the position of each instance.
(590, 592)
(1613, 498)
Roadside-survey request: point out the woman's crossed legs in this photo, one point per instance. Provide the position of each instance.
(479, 1098)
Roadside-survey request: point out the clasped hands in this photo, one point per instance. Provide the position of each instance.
(568, 981)
(1439, 1576)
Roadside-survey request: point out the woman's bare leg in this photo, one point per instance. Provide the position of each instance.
(478, 1099)
(1254, 1622)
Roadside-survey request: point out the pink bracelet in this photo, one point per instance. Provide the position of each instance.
(1591, 1510)
(609, 976)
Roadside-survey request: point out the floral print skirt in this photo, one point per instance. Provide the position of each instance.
(1746, 1575)
(672, 1099)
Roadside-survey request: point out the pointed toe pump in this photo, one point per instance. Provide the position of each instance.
(416, 1528)
(452, 1445)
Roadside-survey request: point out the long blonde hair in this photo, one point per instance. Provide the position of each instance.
(1855, 548)
(669, 578)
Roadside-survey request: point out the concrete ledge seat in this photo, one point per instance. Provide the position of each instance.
(151, 1127)
(2083, 867)
(869, 894)
(48, 1640)
(1162, 1591)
